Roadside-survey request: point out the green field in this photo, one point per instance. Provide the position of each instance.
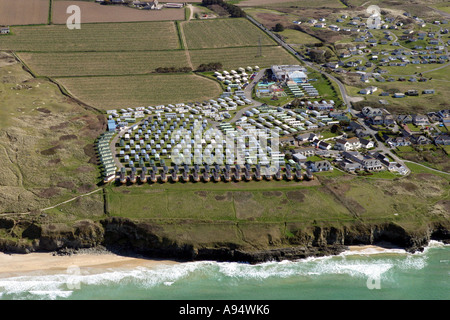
(46, 147)
(86, 61)
(295, 37)
(260, 201)
(73, 64)
(242, 57)
(222, 33)
(161, 35)
(142, 90)
(330, 198)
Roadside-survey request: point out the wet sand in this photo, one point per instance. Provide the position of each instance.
(22, 263)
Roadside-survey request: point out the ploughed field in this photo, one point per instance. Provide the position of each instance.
(116, 65)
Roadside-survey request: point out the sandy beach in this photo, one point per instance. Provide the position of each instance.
(22, 263)
(373, 249)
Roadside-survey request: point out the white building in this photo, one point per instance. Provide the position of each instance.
(295, 73)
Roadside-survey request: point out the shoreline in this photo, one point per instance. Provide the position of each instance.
(19, 263)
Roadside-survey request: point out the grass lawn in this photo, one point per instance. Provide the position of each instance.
(253, 201)
(280, 102)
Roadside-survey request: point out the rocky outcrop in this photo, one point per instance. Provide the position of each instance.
(288, 242)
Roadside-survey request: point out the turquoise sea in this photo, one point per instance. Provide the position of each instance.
(391, 274)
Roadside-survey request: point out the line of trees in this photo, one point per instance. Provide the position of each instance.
(212, 66)
(173, 70)
(233, 10)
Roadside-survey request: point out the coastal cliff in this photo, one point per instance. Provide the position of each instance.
(226, 241)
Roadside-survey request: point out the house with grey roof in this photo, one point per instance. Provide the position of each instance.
(366, 161)
(442, 139)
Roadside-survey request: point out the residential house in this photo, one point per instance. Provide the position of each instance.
(354, 126)
(442, 139)
(307, 152)
(398, 142)
(377, 120)
(349, 165)
(323, 145)
(420, 140)
(307, 137)
(404, 118)
(445, 113)
(420, 120)
(348, 144)
(370, 112)
(388, 120)
(366, 161)
(317, 166)
(367, 144)
(397, 167)
(298, 157)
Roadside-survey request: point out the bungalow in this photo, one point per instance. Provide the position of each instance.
(398, 142)
(442, 139)
(420, 120)
(323, 145)
(397, 167)
(404, 118)
(420, 140)
(445, 113)
(367, 144)
(306, 152)
(317, 166)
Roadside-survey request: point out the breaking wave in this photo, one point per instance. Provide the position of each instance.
(361, 264)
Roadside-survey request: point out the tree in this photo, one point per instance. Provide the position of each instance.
(278, 27)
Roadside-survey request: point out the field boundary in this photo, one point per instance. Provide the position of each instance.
(50, 12)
